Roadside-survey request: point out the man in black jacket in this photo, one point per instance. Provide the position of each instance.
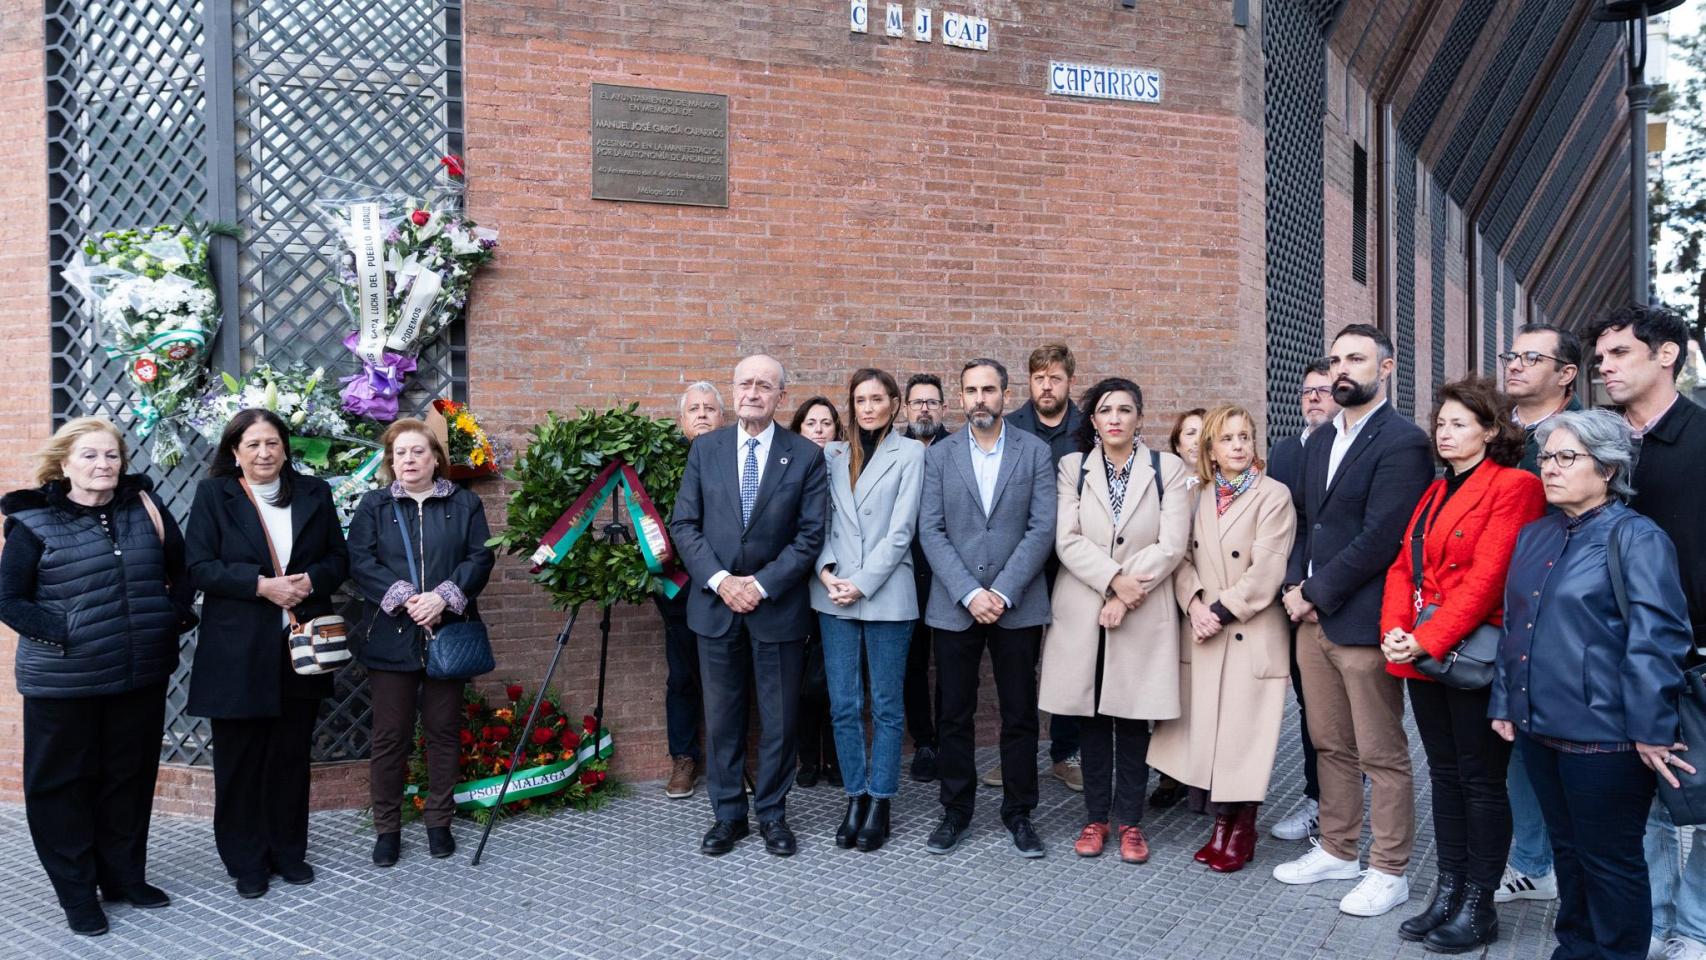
(924, 424)
(1640, 350)
(1361, 482)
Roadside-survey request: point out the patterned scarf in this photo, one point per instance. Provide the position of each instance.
(1117, 480)
(1226, 491)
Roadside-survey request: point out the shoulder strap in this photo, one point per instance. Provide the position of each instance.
(154, 517)
(1155, 465)
(1417, 534)
(277, 568)
(408, 545)
(1614, 560)
(1083, 468)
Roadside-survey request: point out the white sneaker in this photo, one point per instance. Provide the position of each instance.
(1316, 865)
(1377, 893)
(1304, 821)
(1655, 949)
(1520, 886)
(1682, 948)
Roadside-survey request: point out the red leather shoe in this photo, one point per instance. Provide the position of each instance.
(1216, 845)
(1241, 845)
(1134, 848)
(1091, 840)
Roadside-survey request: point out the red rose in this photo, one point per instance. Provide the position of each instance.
(474, 710)
(500, 733)
(541, 736)
(467, 739)
(589, 778)
(486, 733)
(513, 691)
(420, 218)
(571, 740)
(452, 165)
(546, 708)
(589, 723)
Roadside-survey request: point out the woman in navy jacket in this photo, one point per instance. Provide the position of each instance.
(1590, 688)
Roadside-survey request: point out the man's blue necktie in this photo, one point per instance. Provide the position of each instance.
(749, 481)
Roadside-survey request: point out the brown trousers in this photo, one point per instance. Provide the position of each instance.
(395, 696)
(1356, 720)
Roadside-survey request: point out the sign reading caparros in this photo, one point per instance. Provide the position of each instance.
(1104, 83)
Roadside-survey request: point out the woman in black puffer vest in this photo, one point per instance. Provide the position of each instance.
(92, 578)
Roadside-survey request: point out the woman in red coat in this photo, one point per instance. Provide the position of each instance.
(1465, 528)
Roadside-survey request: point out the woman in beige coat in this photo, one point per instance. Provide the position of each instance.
(1111, 654)
(1225, 738)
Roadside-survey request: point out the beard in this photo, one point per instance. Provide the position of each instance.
(924, 426)
(1349, 393)
(1049, 406)
(1315, 418)
(981, 417)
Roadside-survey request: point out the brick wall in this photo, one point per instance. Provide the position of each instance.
(891, 203)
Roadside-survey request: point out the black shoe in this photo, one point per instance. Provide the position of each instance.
(808, 775)
(832, 775)
(924, 765)
(875, 830)
(947, 834)
(86, 919)
(720, 839)
(1448, 893)
(387, 847)
(144, 895)
(1473, 925)
(296, 874)
(1168, 793)
(1025, 838)
(440, 843)
(778, 839)
(251, 887)
(848, 833)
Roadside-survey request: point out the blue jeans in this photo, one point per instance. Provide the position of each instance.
(883, 644)
(1679, 895)
(1531, 845)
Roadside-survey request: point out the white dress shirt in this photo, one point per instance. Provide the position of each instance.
(1343, 437)
(762, 452)
(986, 468)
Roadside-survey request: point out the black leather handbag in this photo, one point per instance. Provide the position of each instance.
(1470, 664)
(457, 651)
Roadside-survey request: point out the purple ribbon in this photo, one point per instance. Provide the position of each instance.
(373, 392)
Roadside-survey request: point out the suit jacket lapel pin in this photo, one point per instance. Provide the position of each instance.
(782, 461)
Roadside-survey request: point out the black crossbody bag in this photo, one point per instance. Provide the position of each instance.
(1470, 664)
(460, 650)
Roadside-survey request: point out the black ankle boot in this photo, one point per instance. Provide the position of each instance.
(1473, 925)
(387, 847)
(848, 833)
(875, 830)
(1448, 893)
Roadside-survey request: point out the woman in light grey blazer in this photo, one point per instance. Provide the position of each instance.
(866, 599)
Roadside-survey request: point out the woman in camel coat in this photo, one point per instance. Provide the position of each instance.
(1111, 654)
(1237, 641)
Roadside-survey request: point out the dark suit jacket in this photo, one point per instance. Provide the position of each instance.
(1352, 530)
(1667, 490)
(1285, 462)
(779, 546)
(242, 663)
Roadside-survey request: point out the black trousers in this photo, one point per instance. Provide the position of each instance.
(959, 658)
(260, 788)
(396, 695)
(815, 735)
(1466, 765)
(683, 703)
(918, 695)
(1115, 754)
(1595, 805)
(736, 668)
(1311, 779)
(89, 770)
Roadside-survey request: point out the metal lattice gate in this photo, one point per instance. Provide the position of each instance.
(1293, 76)
(1404, 287)
(161, 110)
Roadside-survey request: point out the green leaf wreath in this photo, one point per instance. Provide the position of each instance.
(563, 458)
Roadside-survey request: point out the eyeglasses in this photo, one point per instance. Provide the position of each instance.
(1529, 357)
(924, 404)
(1565, 458)
(1318, 393)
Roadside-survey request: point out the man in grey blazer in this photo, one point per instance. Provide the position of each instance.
(749, 522)
(986, 523)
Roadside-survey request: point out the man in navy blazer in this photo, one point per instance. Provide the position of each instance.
(748, 523)
(986, 523)
(1361, 482)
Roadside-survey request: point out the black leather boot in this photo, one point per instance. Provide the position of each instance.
(875, 830)
(848, 833)
(1472, 926)
(1448, 892)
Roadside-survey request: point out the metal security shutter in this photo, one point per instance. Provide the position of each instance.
(1404, 284)
(1437, 228)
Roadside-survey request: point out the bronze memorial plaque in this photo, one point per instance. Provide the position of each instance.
(660, 146)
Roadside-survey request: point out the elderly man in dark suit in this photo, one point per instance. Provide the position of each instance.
(986, 523)
(1361, 482)
(748, 523)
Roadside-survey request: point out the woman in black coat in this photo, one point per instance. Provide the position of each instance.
(263, 712)
(447, 536)
(92, 579)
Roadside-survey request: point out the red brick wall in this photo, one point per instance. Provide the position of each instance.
(24, 390)
(891, 203)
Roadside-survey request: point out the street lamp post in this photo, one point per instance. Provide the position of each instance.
(1635, 13)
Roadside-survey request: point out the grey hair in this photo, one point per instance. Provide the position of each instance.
(1607, 438)
(703, 386)
(781, 371)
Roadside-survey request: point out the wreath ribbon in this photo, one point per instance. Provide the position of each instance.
(642, 513)
(538, 781)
